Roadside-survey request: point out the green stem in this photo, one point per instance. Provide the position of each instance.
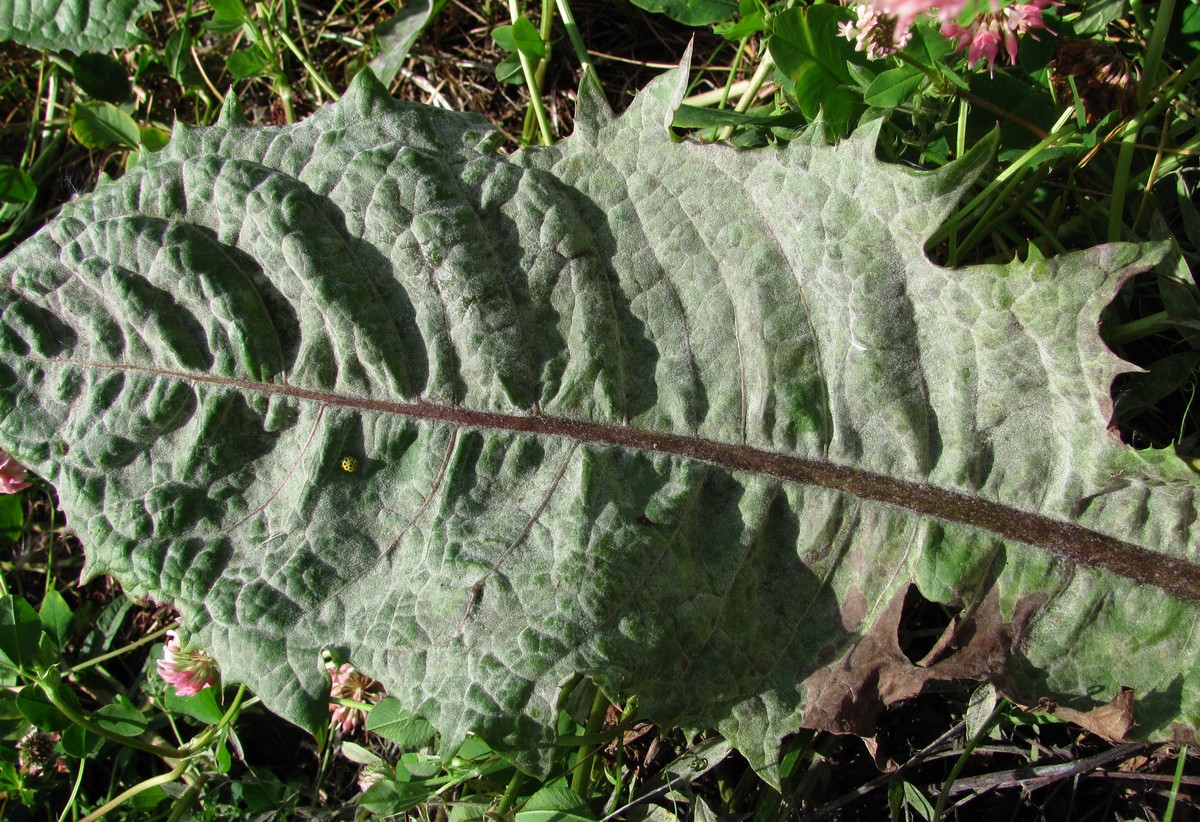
(581, 52)
(51, 691)
(535, 94)
(1116, 204)
(733, 70)
(581, 780)
(1154, 49)
(74, 791)
(1136, 329)
(145, 785)
(1179, 763)
(751, 93)
(183, 804)
(990, 191)
(510, 793)
(313, 71)
(972, 743)
(96, 660)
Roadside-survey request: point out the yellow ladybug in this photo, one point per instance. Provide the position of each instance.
(349, 464)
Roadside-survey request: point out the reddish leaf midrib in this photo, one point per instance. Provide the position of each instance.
(1068, 540)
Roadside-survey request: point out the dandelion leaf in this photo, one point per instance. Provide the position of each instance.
(701, 424)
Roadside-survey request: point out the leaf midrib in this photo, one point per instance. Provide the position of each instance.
(1068, 540)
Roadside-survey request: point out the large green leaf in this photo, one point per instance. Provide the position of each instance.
(689, 420)
(73, 25)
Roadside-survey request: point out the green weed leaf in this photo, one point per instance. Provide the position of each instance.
(79, 743)
(893, 87)
(12, 517)
(97, 124)
(391, 721)
(16, 186)
(521, 36)
(812, 59)
(120, 717)
(202, 706)
(102, 77)
(97, 25)
(249, 62)
(396, 36)
(40, 711)
(55, 616)
(20, 630)
(693, 422)
(228, 16)
(691, 12)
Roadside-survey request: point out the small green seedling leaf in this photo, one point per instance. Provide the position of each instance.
(20, 629)
(893, 87)
(154, 138)
(470, 809)
(247, 63)
(105, 627)
(523, 36)
(359, 755)
(691, 12)
(97, 124)
(509, 71)
(202, 706)
(393, 723)
(102, 77)
(223, 756)
(389, 797)
(419, 765)
(812, 60)
(228, 16)
(918, 801)
(79, 743)
(56, 616)
(12, 517)
(16, 186)
(177, 58)
(555, 804)
(36, 707)
(396, 36)
(120, 717)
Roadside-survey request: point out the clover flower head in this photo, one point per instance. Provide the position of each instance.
(983, 36)
(189, 670)
(35, 751)
(350, 683)
(875, 32)
(12, 474)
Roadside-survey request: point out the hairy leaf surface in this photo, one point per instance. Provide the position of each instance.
(73, 25)
(691, 421)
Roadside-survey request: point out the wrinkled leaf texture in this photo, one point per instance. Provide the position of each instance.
(687, 420)
(73, 25)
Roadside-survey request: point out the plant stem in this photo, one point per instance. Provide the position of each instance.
(535, 94)
(1179, 763)
(313, 71)
(510, 793)
(181, 805)
(1152, 61)
(581, 780)
(581, 52)
(748, 96)
(145, 785)
(974, 741)
(51, 691)
(1136, 329)
(74, 791)
(96, 660)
